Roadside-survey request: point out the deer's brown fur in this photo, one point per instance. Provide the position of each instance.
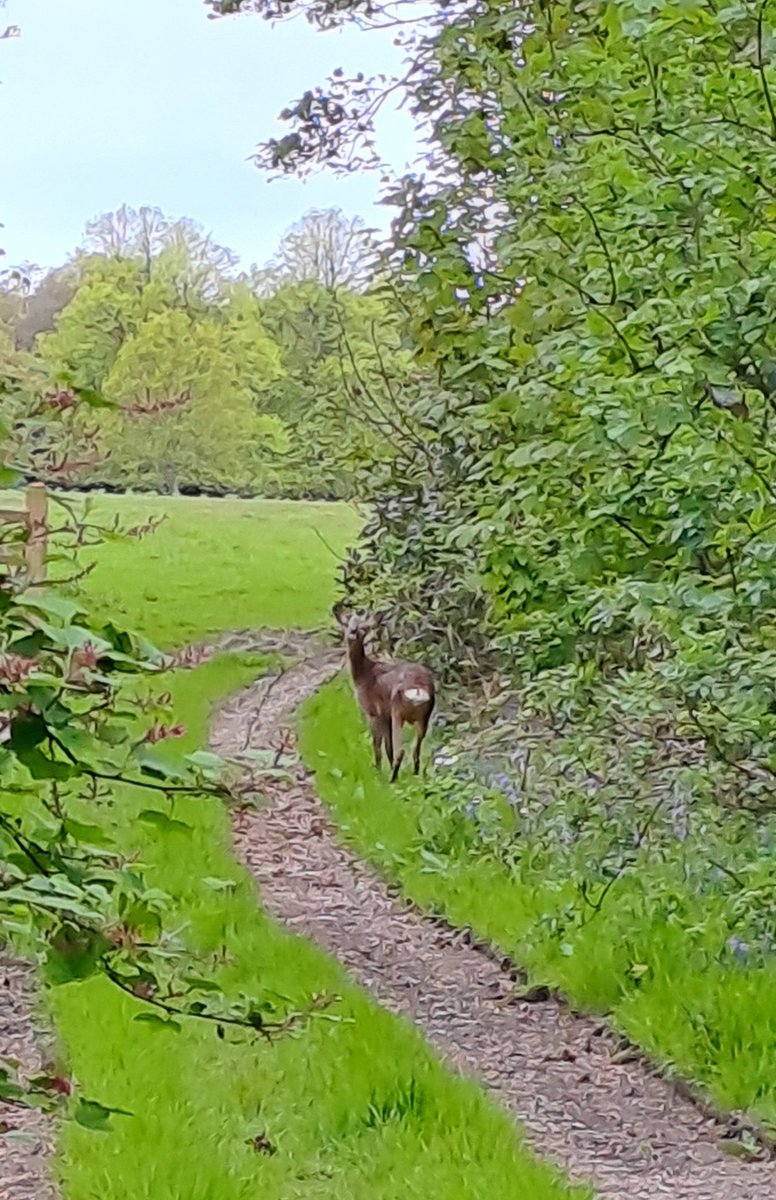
(390, 694)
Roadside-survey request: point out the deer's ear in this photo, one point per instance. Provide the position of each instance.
(339, 613)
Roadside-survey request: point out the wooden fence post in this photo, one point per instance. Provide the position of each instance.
(37, 535)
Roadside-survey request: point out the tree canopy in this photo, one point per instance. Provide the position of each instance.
(208, 366)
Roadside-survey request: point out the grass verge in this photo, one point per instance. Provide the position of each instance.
(660, 956)
(353, 1109)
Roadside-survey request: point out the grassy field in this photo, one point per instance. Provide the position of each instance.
(217, 564)
(657, 956)
(355, 1108)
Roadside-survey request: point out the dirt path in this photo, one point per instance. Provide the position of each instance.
(613, 1123)
(25, 1136)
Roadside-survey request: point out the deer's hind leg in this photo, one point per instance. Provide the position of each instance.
(388, 740)
(397, 725)
(378, 736)
(421, 729)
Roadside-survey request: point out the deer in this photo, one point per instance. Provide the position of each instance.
(390, 694)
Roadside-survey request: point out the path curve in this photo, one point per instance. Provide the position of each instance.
(613, 1123)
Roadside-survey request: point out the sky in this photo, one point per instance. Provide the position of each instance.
(105, 102)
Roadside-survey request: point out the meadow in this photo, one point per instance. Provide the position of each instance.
(347, 1108)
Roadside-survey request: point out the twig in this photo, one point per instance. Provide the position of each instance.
(330, 548)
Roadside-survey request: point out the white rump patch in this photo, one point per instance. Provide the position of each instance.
(417, 695)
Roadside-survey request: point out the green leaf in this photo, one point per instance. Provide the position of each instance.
(93, 399)
(219, 885)
(89, 835)
(97, 1117)
(74, 955)
(160, 820)
(158, 1022)
(27, 731)
(53, 606)
(204, 760)
(154, 764)
(40, 766)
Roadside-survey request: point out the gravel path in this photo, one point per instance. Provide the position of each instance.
(610, 1122)
(25, 1136)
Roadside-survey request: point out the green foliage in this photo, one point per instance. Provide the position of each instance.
(182, 354)
(344, 367)
(274, 383)
(594, 508)
(580, 507)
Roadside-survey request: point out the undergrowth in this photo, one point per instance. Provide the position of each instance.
(668, 929)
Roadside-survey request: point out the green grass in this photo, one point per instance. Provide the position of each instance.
(218, 564)
(654, 956)
(358, 1108)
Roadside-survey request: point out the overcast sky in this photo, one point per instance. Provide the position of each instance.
(148, 102)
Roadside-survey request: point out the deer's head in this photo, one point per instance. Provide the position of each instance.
(357, 627)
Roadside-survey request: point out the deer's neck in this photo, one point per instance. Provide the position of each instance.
(360, 663)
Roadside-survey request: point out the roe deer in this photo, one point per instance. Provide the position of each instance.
(390, 694)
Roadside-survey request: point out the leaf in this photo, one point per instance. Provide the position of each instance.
(30, 645)
(201, 985)
(40, 766)
(220, 885)
(118, 639)
(89, 835)
(53, 606)
(160, 820)
(74, 955)
(57, 903)
(152, 763)
(157, 1021)
(112, 733)
(27, 731)
(97, 1117)
(206, 761)
(93, 399)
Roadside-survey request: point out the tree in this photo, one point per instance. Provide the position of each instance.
(41, 302)
(153, 332)
(193, 419)
(147, 235)
(110, 303)
(345, 370)
(83, 711)
(326, 248)
(71, 731)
